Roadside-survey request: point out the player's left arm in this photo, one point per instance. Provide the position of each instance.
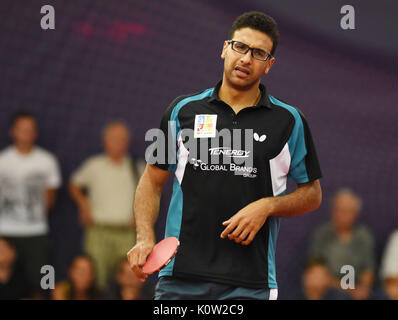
(306, 198)
(244, 225)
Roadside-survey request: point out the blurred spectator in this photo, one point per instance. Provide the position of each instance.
(126, 286)
(389, 267)
(318, 283)
(12, 284)
(29, 177)
(80, 284)
(343, 242)
(110, 180)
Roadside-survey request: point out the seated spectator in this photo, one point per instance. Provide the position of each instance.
(80, 284)
(126, 286)
(318, 283)
(389, 267)
(343, 242)
(12, 283)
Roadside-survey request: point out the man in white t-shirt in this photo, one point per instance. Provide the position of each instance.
(29, 177)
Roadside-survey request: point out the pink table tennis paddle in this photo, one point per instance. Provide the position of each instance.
(161, 255)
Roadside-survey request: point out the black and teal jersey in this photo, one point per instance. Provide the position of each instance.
(206, 193)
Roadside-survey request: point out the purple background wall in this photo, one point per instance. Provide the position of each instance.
(129, 59)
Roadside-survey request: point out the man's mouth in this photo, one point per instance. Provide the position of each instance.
(242, 72)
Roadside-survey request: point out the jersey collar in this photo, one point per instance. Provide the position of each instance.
(264, 101)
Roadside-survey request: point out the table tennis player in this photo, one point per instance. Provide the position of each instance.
(226, 215)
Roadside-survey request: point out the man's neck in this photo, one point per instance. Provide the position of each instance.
(239, 99)
(116, 159)
(23, 149)
(344, 234)
(316, 294)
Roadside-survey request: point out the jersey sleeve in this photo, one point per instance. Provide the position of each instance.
(304, 164)
(162, 152)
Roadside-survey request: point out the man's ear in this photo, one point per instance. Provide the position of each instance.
(224, 49)
(269, 65)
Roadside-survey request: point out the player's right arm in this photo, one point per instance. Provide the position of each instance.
(146, 210)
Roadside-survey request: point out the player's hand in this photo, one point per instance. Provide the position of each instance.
(244, 225)
(137, 257)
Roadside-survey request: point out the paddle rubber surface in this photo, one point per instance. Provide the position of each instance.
(161, 255)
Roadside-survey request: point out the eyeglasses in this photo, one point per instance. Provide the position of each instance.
(243, 48)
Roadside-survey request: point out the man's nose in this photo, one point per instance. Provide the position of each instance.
(247, 58)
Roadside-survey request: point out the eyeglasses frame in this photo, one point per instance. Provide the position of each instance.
(269, 56)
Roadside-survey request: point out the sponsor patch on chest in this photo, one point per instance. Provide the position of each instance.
(205, 126)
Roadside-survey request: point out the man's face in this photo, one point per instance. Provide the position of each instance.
(24, 131)
(116, 140)
(345, 211)
(242, 70)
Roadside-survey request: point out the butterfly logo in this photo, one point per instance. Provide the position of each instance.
(259, 138)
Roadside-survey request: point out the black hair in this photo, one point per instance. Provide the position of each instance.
(258, 21)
